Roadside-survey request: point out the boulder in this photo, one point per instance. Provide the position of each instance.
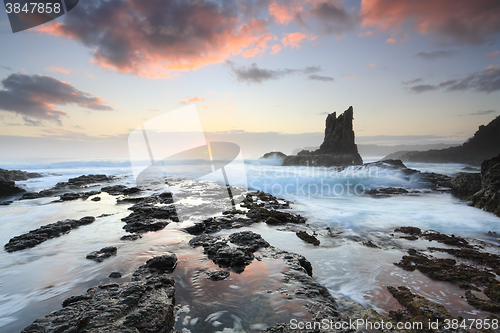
(465, 185)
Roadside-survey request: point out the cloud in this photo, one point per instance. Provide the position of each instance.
(482, 113)
(311, 69)
(255, 74)
(372, 65)
(155, 37)
(412, 81)
(487, 80)
(459, 22)
(58, 69)
(434, 55)
(7, 68)
(351, 77)
(423, 88)
(391, 41)
(320, 78)
(153, 109)
(191, 100)
(27, 122)
(275, 49)
(492, 55)
(293, 39)
(324, 16)
(37, 96)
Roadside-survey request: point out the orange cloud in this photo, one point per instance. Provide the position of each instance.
(351, 77)
(391, 41)
(283, 14)
(191, 100)
(154, 38)
(58, 69)
(492, 54)
(462, 22)
(275, 49)
(293, 39)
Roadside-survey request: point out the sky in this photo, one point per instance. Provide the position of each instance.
(261, 73)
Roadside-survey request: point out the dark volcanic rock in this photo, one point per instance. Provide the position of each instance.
(144, 305)
(218, 275)
(485, 144)
(236, 257)
(488, 198)
(274, 154)
(120, 190)
(131, 237)
(338, 147)
(115, 275)
(307, 238)
(40, 235)
(465, 185)
(16, 175)
(71, 184)
(102, 254)
(8, 188)
(77, 195)
(147, 216)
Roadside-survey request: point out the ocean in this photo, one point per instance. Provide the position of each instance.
(35, 281)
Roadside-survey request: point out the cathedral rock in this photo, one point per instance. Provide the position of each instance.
(338, 147)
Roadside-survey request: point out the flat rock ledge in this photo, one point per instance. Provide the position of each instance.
(144, 305)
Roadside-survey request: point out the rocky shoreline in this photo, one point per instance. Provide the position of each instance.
(146, 303)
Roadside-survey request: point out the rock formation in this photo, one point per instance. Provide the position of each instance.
(485, 144)
(488, 198)
(338, 147)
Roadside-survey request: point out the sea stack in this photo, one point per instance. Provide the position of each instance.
(338, 147)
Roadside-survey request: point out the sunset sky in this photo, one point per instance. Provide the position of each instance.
(262, 73)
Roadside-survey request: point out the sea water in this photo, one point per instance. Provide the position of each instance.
(35, 281)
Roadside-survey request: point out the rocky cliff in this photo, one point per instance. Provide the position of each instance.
(488, 198)
(485, 144)
(338, 147)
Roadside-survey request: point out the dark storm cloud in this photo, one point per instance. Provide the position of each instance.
(37, 95)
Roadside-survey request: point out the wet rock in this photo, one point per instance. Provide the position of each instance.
(248, 240)
(163, 263)
(265, 200)
(217, 275)
(144, 305)
(115, 275)
(485, 259)
(71, 184)
(446, 239)
(120, 190)
(371, 244)
(17, 175)
(488, 198)
(102, 254)
(131, 237)
(74, 195)
(465, 185)
(46, 232)
(481, 303)
(387, 192)
(8, 188)
(5, 203)
(308, 238)
(409, 230)
(96, 199)
(236, 257)
(418, 309)
(149, 217)
(338, 147)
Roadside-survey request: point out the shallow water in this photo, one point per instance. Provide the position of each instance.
(35, 281)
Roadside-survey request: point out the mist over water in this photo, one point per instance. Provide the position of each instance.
(34, 282)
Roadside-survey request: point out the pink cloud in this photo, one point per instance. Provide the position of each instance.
(154, 38)
(293, 39)
(462, 22)
(275, 49)
(492, 54)
(191, 100)
(58, 69)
